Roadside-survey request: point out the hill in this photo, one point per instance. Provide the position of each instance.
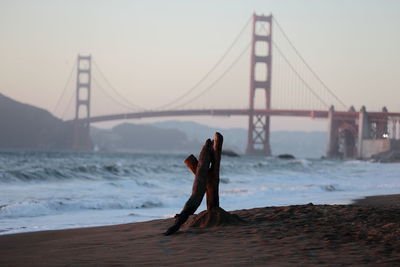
(141, 138)
(300, 143)
(187, 136)
(24, 126)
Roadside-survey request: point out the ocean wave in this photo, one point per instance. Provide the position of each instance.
(83, 172)
(150, 204)
(34, 208)
(65, 167)
(59, 190)
(235, 191)
(42, 174)
(96, 172)
(330, 188)
(224, 180)
(268, 164)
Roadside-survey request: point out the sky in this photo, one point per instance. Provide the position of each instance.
(153, 51)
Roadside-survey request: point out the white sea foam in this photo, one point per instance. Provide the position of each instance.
(41, 191)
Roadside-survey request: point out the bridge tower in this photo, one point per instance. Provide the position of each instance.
(81, 137)
(260, 79)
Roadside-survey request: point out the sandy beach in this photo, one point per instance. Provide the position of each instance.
(364, 234)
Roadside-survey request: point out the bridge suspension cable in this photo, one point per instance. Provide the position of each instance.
(307, 65)
(208, 88)
(298, 75)
(104, 91)
(213, 68)
(65, 88)
(128, 104)
(67, 106)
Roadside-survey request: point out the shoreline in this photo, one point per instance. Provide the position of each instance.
(391, 200)
(365, 232)
(375, 200)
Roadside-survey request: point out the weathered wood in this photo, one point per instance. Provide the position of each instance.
(212, 189)
(191, 162)
(198, 189)
(206, 181)
(213, 175)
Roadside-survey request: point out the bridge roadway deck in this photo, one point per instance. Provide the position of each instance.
(235, 112)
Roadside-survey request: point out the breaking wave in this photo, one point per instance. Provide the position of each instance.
(33, 208)
(52, 190)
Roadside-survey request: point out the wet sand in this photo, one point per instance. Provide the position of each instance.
(364, 234)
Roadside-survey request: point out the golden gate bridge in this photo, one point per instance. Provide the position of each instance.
(351, 133)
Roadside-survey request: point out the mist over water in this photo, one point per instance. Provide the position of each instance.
(53, 190)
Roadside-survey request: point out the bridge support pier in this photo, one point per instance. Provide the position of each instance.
(81, 135)
(260, 78)
(373, 136)
(342, 134)
(363, 130)
(382, 125)
(333, 127)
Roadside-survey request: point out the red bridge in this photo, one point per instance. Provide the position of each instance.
(351, 133)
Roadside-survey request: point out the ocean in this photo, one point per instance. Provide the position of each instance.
(59, 190)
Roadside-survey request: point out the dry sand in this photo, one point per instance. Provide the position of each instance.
(365, 234)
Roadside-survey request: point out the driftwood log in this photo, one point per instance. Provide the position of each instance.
(206, 181)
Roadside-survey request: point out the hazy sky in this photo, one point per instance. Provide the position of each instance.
(153, 51)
